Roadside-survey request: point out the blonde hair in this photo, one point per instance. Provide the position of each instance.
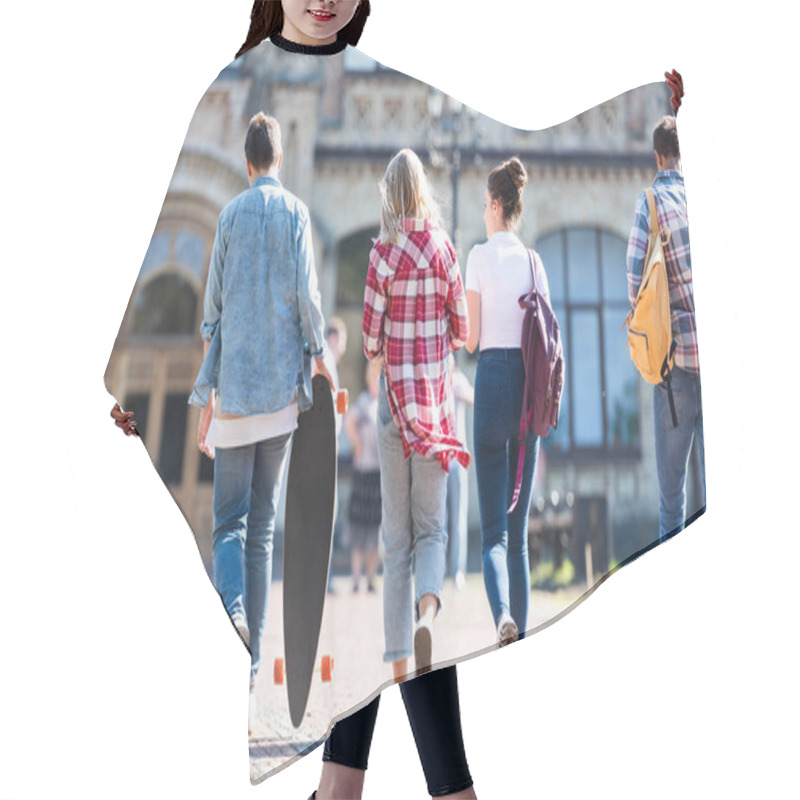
(406, 193)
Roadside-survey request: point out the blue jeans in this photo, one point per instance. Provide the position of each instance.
(499, 383)
(674, 445)
(247, 483)
(414, 496)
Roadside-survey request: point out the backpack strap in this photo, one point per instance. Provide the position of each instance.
(532, 264)
(524, 423)
(655, 225)
(666, 377)
(666, 374)
(525, 416)
(651, 204)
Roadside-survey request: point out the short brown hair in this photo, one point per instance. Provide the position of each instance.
(505, 185)
(665, 138)
(266, 19)
(262, 145)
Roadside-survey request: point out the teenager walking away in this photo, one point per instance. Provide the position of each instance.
(262, 310)
(674, 436)
(415, 315)
(499, 272)
(364, 513)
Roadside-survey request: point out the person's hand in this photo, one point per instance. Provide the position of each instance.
(675, 84)
(124, 420)
(321, 369)
(206, 415)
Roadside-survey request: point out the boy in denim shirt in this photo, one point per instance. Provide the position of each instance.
(262, 326)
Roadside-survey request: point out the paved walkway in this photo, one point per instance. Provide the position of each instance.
(352, 632)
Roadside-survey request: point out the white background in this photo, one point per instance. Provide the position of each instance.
(119, 674)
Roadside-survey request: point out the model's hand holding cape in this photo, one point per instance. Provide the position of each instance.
(595, 499)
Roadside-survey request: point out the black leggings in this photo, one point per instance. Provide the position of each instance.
(432, 706)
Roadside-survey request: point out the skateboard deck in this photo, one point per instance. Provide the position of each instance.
(308, 536)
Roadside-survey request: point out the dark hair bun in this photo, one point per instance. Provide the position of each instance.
(516, 172)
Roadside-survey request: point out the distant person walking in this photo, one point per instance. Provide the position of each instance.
(499, 272)
(335, 348)
(415, 315)
(364, 513)
(673, 444)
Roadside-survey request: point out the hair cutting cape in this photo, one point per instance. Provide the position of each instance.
(595, 503)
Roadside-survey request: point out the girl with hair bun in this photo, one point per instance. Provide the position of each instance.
(498, 273)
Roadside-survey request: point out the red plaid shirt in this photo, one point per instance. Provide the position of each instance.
(415, 313)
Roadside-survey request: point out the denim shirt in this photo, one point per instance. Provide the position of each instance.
(262, 314)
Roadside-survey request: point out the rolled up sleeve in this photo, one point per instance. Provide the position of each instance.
(374, 309)
(637, 247)
(456, 309)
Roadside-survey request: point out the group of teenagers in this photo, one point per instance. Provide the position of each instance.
(264, 338)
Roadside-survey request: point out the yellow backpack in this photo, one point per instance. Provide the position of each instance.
(649, 323)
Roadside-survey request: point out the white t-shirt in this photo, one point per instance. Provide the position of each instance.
(240, 431)
(499, 271)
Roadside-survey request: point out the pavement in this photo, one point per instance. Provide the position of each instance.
(352, 633)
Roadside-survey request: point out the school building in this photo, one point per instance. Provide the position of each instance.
(342, 119)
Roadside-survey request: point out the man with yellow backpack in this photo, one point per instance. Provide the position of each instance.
(661, 326)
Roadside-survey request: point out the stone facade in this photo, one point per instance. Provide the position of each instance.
(342, 118)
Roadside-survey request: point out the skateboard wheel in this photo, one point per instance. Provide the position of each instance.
(342, 400)
(278, 671)
(326, 669)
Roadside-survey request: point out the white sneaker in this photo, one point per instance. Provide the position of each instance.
(507, 631)
(240, 623)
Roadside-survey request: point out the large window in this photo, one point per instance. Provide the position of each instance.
(167, 305)
(168, 302)
(588, 287)
(173, 438)
(165, 336)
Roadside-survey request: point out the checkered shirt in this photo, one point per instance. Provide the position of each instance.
(415, 313)
(670, 198)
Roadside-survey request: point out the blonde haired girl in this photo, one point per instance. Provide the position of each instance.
(415, 315)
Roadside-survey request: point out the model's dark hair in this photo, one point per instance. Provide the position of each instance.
(266, 19)
(665, 138)
(262, 145)
(505, 185)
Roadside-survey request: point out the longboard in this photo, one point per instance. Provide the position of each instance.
(308, 537)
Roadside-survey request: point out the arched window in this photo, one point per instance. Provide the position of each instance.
(588, 287)
(166, 305)
(352, 262)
